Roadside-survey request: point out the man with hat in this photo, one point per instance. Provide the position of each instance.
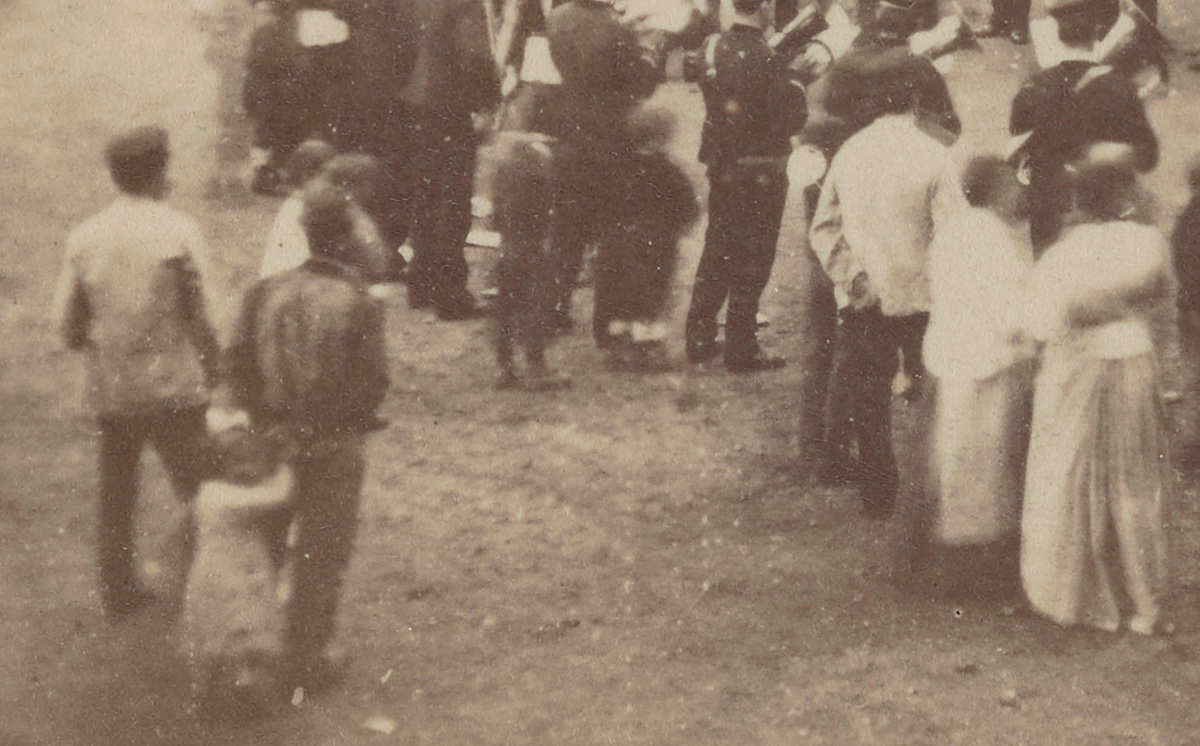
(888, 189)
(131, 295)
(1060, 111)
(753, 107)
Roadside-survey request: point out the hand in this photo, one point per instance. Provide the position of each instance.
(862, 296)
(812, 62)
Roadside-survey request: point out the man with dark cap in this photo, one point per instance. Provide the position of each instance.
(753, 106)
(308, 357)
(1060, 111)
(131, 294)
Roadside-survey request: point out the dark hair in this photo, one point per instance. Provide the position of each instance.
(1103, 189)
(983, 178)
(1081, 24)
(351, 170)
(137, 160)
(326, 219)
(747, 6)
(307, 160)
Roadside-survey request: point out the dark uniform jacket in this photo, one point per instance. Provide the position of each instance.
(1066, 112)
(752, 104)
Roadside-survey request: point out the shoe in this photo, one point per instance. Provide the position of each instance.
(702, 353)
(507, 381)
(546, 382)
(460, 310)
(758, 362)
(559, 323)
(989, 30)
(123, 605)
(882, 508)
(314, 677)
(418, 298)
(1019, 36)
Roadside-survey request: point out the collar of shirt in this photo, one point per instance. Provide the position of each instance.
(333, 268)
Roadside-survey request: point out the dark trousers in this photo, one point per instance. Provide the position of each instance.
(587, 185)
(178, 435)
(525, 278)
(326, 498)
(745, 207)
(820, 330)
(444, 170)
(1010, 15)
(860, 396)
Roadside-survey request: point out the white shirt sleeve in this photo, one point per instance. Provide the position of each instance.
(287, 245)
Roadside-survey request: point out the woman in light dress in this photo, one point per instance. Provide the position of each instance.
(1098, 476)
(979, 264)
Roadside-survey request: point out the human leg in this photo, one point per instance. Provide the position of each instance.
(121, 440)
(764, 193)
(328, 494)
(713, 274)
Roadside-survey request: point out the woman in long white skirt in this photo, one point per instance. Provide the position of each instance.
(1098, 476)
(978, 266)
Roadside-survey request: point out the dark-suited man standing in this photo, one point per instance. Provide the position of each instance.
(454, 78)
(753, 107)
(1062, 110)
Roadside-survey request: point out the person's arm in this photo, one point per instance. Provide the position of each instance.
(1136, 130)
(791, 100)
(828, 242)
(71, 310)
(192, 273)
(241, 381)
(1027, 105)
(367, 350)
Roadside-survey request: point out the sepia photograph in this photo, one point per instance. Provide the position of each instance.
(655, 372)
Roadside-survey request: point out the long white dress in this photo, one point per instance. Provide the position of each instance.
(978, 267)
(1098, 474)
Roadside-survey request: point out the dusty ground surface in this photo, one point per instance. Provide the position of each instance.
(632, 561)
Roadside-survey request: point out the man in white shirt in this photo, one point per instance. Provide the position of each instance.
(887, 189)
(131, 294)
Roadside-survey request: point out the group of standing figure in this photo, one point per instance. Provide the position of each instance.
(1043, 259)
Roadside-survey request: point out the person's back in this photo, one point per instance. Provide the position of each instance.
(320, 371)
(131, 295)
(131, 259)
(752, 105)
(888, 204)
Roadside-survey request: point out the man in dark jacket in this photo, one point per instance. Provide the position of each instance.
(753, 107)
(1062, 110)
(308, 358)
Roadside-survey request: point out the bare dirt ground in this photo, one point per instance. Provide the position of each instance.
(632, 561)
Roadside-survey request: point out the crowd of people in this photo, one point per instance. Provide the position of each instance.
(1014, 295)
